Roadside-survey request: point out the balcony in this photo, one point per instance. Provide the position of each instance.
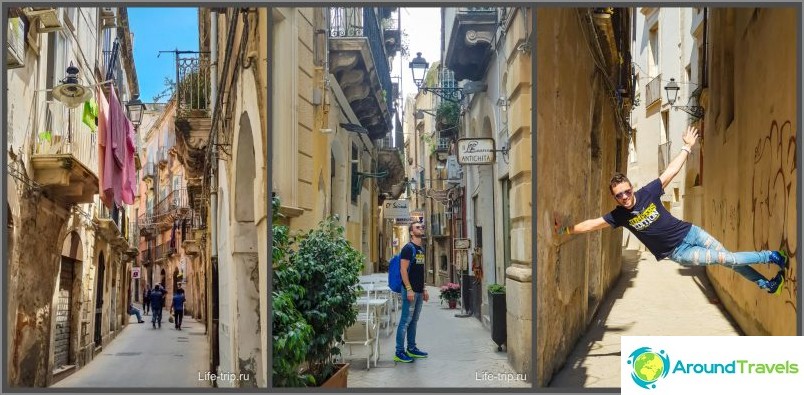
(65, 158)
(439, 225)
(653, 91)
(442, 144)
(111, 224)
(174, 205)
(147, 224)
(470, 42)
(192, 242)
(193, 116)
(163, 251)
(359, 61)
(133, 242)
(149, 172)
(146, 257)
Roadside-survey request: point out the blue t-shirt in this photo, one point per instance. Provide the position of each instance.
(650, 222)
(415, 255)
(178, 301)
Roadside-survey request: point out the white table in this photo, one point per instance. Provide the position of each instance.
(374, 304)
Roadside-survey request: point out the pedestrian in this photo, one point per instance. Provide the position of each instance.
(411, 256)
(134, 311)
(178, 307)
(665, 236)
(145, 301)
(157, 302)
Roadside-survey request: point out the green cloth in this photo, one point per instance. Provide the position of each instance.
(90, 116)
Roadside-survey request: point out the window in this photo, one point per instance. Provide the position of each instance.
(665, 133)
(355, 177)
(653, 51)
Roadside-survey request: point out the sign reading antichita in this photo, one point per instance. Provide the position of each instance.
(476, 151)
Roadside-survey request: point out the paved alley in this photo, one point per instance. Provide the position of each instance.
(462, 354)
(145, 357)
(651, 298)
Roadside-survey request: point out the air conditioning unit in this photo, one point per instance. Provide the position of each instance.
(15, 47)
(50, 19)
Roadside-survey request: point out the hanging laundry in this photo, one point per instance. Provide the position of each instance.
(110, 172)
(90, 115)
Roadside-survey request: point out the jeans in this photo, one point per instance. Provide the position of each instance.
(145, 306)
(700, 249)
(179, 314)
(135, 312)
(156, 315)
(408, 321)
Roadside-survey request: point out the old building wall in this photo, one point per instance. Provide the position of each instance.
(576, 153)
(519, 276)
(749, 157)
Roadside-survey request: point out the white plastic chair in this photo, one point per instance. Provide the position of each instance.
(363, 333)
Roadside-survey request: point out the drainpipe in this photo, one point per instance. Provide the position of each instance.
(213, 195)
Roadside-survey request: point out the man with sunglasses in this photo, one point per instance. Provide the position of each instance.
(411, 265)
(665, 236)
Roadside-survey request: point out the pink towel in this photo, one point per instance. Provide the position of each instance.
(129, 171)
(110, 174)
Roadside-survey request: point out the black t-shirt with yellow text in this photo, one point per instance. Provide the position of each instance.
(415, 255)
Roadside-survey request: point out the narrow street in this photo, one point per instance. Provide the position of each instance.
(142, 356)
(461, 353)
(650, 299)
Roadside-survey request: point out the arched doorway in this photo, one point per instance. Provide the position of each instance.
(163, 279)
(245, 257)
(99, 300)
(65, 326)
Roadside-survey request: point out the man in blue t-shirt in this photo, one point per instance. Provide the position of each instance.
(665, 236)
(413, 294)
(178, 306)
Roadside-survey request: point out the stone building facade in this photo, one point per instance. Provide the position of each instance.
(70, 256)
(582, 142)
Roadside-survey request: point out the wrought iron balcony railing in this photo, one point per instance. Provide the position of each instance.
(653, 91)
(192, 83)
(362, 22)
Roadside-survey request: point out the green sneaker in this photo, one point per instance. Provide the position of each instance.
(402, 357)
(416, 353)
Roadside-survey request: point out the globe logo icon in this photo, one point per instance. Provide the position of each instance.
(648, 366)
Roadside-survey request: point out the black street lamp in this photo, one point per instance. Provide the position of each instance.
(672, 89)
(134, 110)
(418, 66)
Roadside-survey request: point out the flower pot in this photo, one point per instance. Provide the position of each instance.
(497, 312)
(452, 303)
(339, 378)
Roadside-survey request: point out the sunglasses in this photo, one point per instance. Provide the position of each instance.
(418, 227)
(624, 194)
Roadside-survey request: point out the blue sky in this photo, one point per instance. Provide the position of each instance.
(160, 29)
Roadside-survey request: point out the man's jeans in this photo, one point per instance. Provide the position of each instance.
(156, 315)
(134, 311)
(179, 314)
(701, 249)
(407, 323)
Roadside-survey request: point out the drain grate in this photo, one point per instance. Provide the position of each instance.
(128, 354)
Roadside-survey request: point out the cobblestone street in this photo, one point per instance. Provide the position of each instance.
(462, 354)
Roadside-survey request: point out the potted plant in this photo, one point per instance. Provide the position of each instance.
(450, 292)
(291, 332)
(447, 116)
(497, 312)
(329, 269)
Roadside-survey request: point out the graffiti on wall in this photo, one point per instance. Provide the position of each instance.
(773, 195)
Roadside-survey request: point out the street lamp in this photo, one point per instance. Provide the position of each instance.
(672, 89)
(134, 110)
(418, 67)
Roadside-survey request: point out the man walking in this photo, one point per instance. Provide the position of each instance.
(157, 302)
(146, 303)
(665, 236)
(412, 258)
(178, 307)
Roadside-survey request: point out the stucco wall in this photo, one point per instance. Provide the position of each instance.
(749, 163)
(576, 152)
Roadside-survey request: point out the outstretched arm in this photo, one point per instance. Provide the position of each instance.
(583, 227)
(690, 138)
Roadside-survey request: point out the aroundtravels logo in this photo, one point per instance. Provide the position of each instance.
(647, 366)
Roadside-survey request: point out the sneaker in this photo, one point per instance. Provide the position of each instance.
(416, 353)
(774, 285)
(402, 357)
(779, 258)
(153, 324)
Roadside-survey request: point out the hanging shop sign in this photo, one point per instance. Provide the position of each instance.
(135, 273)
(461, 244)
(476, 151)
(395, 209)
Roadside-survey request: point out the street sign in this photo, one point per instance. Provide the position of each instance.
(135, 273)
(461, 244)
(477, 151)
(395, 209)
